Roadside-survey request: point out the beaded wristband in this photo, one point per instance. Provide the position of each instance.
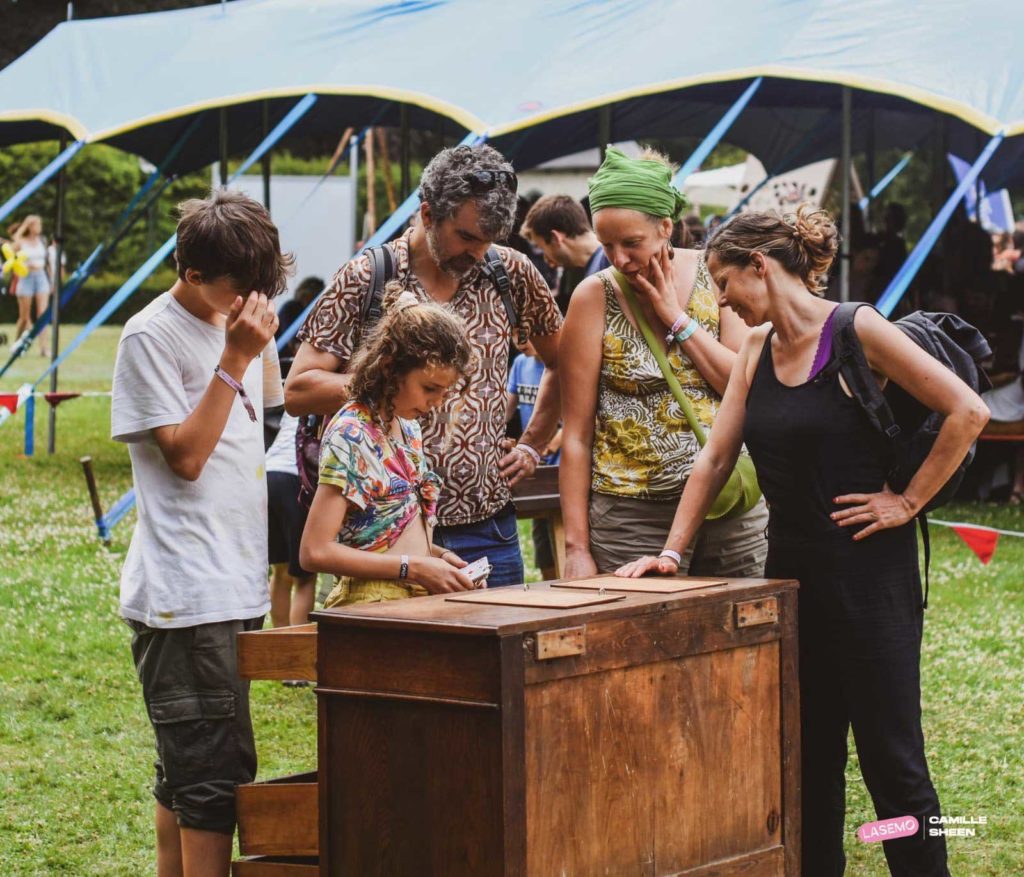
(681, 320)
(238, 388)
(522, 447)
(668, 552)
(691, 327)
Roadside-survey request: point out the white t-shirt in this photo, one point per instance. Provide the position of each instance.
(281, 453)
(199, 550)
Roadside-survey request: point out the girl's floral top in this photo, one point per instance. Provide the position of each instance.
(386, 481)
(643, 446)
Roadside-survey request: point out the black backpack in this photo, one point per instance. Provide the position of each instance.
(382, 269)
(910, 427)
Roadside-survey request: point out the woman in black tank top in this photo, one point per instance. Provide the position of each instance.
(834, 523)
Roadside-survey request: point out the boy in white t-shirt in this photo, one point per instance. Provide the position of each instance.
(188, 401)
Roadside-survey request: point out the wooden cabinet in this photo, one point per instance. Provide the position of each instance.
(655, 735)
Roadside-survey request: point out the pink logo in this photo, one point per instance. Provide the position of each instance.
(888, 829)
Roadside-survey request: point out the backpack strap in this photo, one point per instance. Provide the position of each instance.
(853, 366)
(494, 269)
(382, 269)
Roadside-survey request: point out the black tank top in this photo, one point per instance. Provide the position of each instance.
(810, 443)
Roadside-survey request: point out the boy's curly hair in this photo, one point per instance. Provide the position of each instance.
(405, 339)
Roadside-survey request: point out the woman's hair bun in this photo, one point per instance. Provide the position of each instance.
(816, 234)
(805, 243)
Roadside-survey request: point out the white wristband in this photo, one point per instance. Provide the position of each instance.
(522, 447)
(675, 555)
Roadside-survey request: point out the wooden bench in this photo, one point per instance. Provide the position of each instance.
(538, 497)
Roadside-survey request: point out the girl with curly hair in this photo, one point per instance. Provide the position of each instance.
(371, 520)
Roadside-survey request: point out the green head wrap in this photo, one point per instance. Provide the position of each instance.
(637, 184)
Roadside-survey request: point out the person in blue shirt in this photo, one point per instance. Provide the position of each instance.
(523, 383)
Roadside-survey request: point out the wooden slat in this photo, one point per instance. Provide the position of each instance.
(275, 866)
(537, 495)
(278, 818)
(278, 653)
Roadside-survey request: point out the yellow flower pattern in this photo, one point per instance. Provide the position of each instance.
(643, 446)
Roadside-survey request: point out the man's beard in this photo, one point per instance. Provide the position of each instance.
(457, 267)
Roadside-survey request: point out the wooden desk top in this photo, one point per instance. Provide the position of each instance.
(439, 614)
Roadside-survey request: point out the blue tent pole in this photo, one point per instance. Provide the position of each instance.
(77, 280)
(384, 233)
(153, 262)
(715, 134)
(881, 185)
(122, 225)
(390, 226)
(30, 425)
(19, 197)
(898, 285)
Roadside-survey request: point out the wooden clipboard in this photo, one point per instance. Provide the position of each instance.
(640, 586)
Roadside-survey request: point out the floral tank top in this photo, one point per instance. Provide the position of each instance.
(386, 482)
(643, 446)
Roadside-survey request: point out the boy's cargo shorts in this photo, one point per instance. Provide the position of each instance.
(199, 709)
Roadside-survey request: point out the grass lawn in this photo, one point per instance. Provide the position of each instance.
(76, 749)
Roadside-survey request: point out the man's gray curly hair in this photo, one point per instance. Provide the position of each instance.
(445, 189)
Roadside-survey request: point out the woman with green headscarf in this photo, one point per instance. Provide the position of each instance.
(627, 448)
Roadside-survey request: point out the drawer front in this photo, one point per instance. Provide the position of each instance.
(278, 653)
(275, 866)
(279, 818)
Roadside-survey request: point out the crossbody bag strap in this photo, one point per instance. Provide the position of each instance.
(659, 355)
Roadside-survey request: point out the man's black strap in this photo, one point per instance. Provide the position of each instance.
(382, 269)
(497, 273)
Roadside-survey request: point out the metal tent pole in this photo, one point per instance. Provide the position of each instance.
(604, 129)
(58, 254)
(871, 169)
(265, 161)
(844, 263)
(353, 173)
(223, 116)
(406, 185)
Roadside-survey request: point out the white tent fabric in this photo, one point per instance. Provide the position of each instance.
(512, 70)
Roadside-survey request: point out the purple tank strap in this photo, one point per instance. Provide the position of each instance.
(824, 351)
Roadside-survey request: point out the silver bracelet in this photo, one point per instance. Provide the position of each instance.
(675, 555)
